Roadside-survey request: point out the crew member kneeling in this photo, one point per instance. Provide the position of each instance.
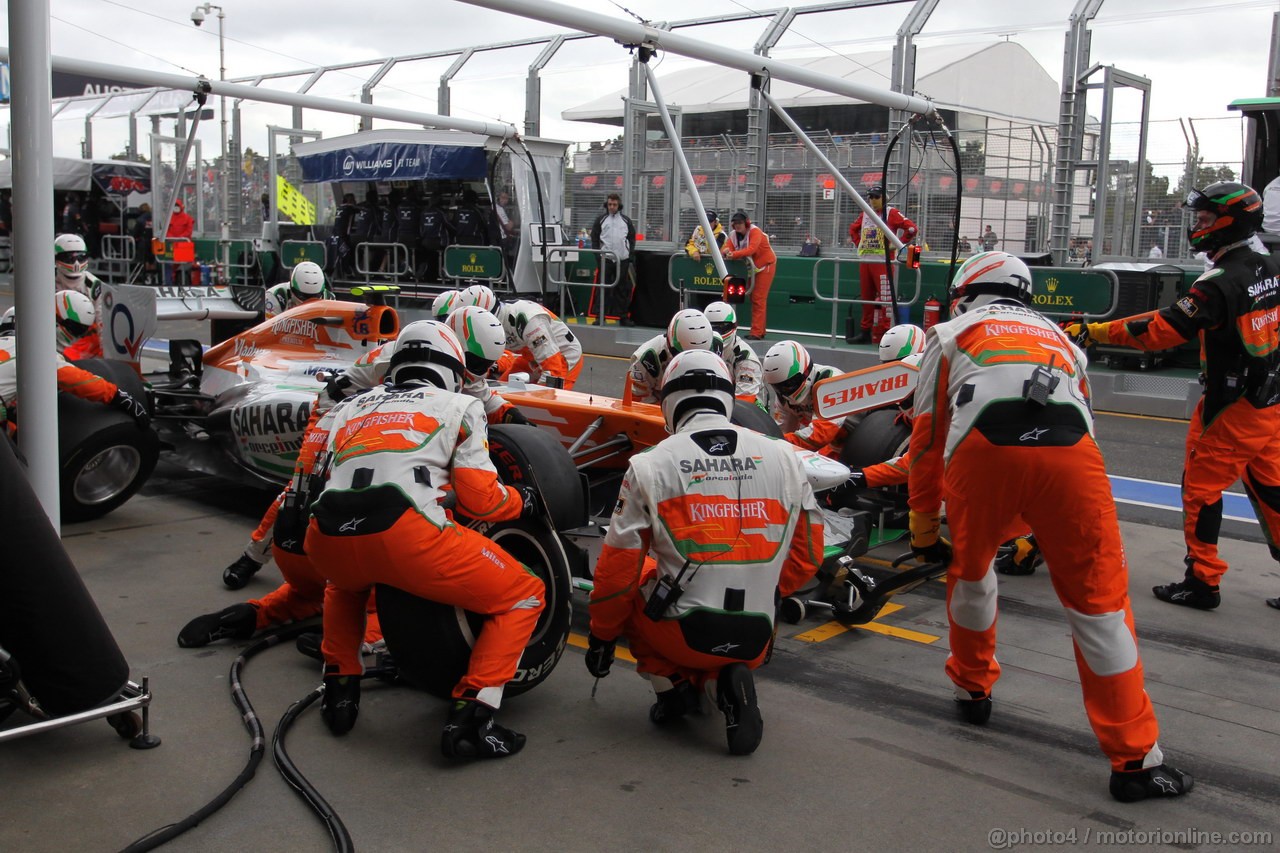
(1003, 429)
(392, 453)
(731, 520)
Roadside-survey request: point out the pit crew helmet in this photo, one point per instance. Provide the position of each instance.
(695, 380)
(724, 320)
(443, 304)
(427, 351)
(477, 295)
(689, 330)
(989, 277)
(482, 337)
(306, 282)
(1239, 211)
(75, 316)
(70, 256)
(914, 360)
(901, 341)
(7, 323)
(789, 370)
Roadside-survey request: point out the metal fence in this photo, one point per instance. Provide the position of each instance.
(1007, 172)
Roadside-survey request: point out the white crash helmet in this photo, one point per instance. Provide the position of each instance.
(900, 342)
(477, 295)
(789, 370)
(443, 304)
(307, 282)
(914, 360)
(75, 316)
(427, 350)
(989, 277)
(7, 322)
(70, 256)
(695, 380)
(482, 337)
(724, 320)
(691, 330)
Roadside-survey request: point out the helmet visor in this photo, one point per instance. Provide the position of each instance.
(724, 327)
(790, 386)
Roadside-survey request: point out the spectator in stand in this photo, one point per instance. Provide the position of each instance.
(1156, 252)
(964, 247)
(989, 239)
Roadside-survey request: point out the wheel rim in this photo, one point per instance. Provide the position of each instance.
(108, 474)
(525, 547)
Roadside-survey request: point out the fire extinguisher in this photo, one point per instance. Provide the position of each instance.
(882, 318)
(932, 313)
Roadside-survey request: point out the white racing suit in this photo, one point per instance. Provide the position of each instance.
(392, 454)
(802, 427)
(651, 358)
(542, 344)
(732, 514)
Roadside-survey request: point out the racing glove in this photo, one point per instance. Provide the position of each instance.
(514, 416)
(131, 406)
(341, 704)
(337, 386)
(857, 479)
(600, 655)
(1088, 333)
(532, 506)
(926, 538)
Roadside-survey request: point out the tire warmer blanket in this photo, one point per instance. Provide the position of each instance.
(48, 621)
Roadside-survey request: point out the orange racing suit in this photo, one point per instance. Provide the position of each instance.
(1234, 308)
(735, 511)
(754, 247)
(392, 452)
(71, 379)
(1000, 461)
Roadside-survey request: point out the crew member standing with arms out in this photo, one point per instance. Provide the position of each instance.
(749, 243)
(392, 454)
(613, 231)
(870, 241)
(723, 544)
(1235, 430)
(1004, 431)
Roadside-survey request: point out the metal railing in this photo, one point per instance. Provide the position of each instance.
(836, 300)
(395, 261)
(558, 256)
(681, 289)
(117, 261)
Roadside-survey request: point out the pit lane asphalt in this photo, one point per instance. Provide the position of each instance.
(861, 748)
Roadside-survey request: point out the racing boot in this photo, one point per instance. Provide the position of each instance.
(309, 645)
(237, 622)
(1273, 602)
(471, 733)
(674, 704)
(236, 575)
(1130, 786)
(1018, 556)
(973, 707)
(736, 696)
(1189, 592)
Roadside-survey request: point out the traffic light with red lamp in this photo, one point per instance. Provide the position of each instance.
(735, 289)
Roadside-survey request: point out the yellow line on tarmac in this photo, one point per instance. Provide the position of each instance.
(580, 641)
(1138, 417)
(834, 629)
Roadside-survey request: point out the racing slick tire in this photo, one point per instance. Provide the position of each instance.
(104, 457)
(527, 455)
(430, 642)
(879, 436)
(756, 418)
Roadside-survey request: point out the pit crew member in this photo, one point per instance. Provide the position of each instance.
(744, 364)
(306, 282)
(71, 266)
(1003, 429)
(392, 452)
(870, 240)
(731, 522)
(689, 329)
(542, 343)
(1235, 429)
(791, 374)
(78, 334)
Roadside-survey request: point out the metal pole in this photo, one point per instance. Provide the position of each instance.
(224, 230)
(866, 209)
(631, 32)
(678, 150)
(33, 243)
(271, 96)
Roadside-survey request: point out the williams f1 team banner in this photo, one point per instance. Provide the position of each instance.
(128, 320)
(395, 161)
